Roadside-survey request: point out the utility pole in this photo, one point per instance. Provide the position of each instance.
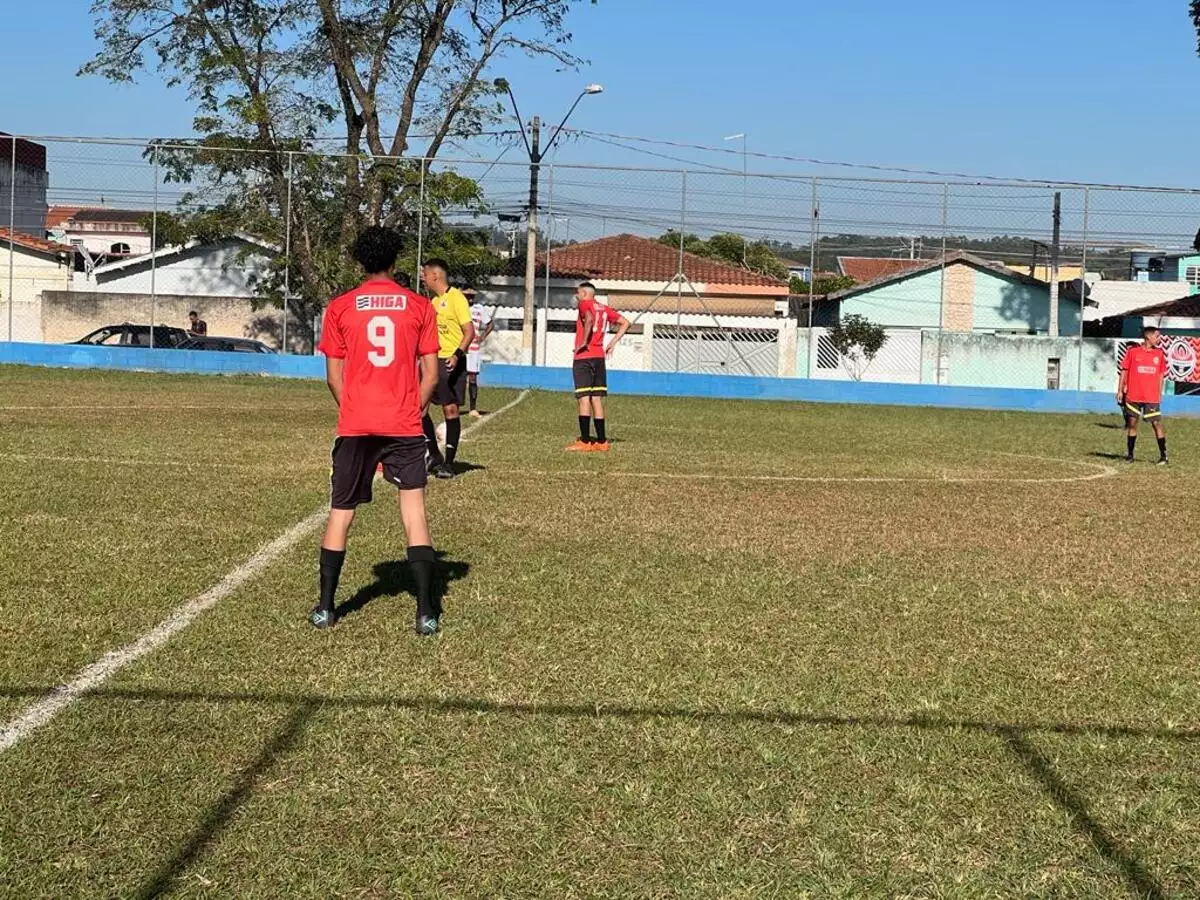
(536, 155)
(535, 161)
(1054, 251)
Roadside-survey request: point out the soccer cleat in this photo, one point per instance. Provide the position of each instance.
(475, 414)
(600, 447)
(1129, 458)
(427, 625)
(433, 463)
(321, 618)
(578, 446)
(1163, 461)
(445, 471)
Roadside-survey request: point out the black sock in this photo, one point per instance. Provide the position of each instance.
(600, 430)
(331, 571)
(453, 432)
(421, 561)
(1131, 440)
(431, 446)
(585, 429)
(1162, 447)
(473, 390)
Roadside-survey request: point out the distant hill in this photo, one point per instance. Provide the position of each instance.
(1007, 249)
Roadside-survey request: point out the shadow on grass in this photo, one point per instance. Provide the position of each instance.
(1111, 426)
(1140, 880)
(1014, 736)
(395, 578)
(1099, 454)
(218, 816)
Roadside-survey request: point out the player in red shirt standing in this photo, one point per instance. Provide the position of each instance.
(590, 371)
(375, 339)
(1140, 388)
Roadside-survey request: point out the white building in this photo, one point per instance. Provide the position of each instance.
(104, 233)
(33, 265)
(227, 268)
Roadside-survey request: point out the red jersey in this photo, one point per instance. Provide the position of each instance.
(1144, 370)
(380, 329)
(602, 316)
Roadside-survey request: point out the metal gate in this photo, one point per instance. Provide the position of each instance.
(709, 350)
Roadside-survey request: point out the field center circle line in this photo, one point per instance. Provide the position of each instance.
(1102, 471)
(42, 712)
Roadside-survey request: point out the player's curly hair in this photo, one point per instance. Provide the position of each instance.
(376, 249)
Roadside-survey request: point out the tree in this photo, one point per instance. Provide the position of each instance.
(757, 256)
(826, 284)
(269, 77)
(857, 341)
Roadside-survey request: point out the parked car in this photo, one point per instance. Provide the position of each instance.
(128, 335)
(228, 344)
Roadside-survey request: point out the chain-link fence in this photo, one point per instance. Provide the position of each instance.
(995, 283)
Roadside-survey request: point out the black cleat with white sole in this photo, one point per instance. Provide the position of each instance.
(427, 626)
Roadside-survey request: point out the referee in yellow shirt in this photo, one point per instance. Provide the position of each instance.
(455, 333)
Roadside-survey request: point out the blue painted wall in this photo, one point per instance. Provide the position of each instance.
(1000, 304)
(621, 382)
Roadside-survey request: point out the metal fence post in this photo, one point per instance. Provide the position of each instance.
(12, 225)
(679, 274)
(287, 253)
(549, 252)
(154, 250)
(416, 285)
(942, 284)
(813, 225)
(1083, 289)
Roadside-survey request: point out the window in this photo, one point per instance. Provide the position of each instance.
(120, 249)
(1192, 275)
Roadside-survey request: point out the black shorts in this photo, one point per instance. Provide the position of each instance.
(452, 385)
(1147, 411)
(355, 460)
(591, 377)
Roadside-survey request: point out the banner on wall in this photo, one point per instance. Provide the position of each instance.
(1182, 355)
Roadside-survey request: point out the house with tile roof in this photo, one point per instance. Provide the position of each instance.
(104, 232)
(36, 265)
(636, 273)
(963, 293)
(870, 268)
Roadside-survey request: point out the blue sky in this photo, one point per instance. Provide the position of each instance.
(1067, 89)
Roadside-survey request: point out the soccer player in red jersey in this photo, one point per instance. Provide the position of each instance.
(380, 344)
(590, 371)
(1140, 388)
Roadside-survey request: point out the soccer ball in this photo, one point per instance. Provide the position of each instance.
(441, 434)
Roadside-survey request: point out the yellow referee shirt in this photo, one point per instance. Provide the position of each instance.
(453, 313)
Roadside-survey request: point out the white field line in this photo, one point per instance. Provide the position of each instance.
(1102, 471)
(155, 463)
(90, 677)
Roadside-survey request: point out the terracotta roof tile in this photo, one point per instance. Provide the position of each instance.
(1184, 307)
(868, 268)
(33, 243)
(56, 215)
(627, 257)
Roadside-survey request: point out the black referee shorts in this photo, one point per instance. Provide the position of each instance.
(356, 458)
(452, 385)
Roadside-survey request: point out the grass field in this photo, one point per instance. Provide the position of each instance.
(758, 650)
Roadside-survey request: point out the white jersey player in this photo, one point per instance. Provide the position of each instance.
(483, 318)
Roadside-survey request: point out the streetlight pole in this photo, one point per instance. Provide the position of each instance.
(536, 153)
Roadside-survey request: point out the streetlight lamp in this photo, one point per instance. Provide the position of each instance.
(536, 155)
(745, 174)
